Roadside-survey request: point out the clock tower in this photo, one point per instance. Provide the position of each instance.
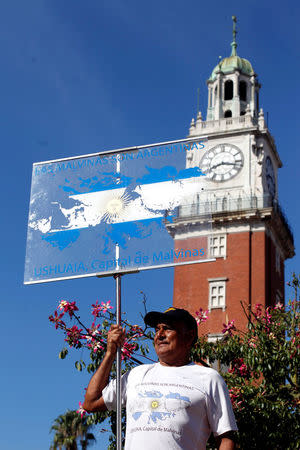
(250, 237)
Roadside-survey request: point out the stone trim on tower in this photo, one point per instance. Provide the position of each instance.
(217, 246)
(217, 293)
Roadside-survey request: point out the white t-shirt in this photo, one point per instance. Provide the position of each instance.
(172, 407)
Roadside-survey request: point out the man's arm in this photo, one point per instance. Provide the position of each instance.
(93, 398)
(225, 441)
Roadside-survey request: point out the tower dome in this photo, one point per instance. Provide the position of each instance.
(230, 64)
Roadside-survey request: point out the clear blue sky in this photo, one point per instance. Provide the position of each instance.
(79, 77)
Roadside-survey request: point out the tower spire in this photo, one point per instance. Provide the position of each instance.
(233, 43)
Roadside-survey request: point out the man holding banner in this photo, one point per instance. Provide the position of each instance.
(172, 404)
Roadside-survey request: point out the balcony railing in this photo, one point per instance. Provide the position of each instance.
(224, 124)
(222, 205)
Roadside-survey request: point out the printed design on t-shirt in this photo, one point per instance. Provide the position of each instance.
(157, 406)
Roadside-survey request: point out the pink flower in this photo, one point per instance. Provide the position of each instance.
(258, 310)
(234, 392)
(137, 331)
(243, 370)
(69, 307)
(239, 368)
(268, 316)
(202, 316)
(74, 336)
(97, 309)
(93, 338)
(93, 331)
(228, 328)
(279, 306)
(252, 342)
(80, 410)
(235, 395)
(62, 305)
(106, 306)
(95, 346)
(57, 320)
(127, 350)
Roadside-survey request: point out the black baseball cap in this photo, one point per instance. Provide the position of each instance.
(171, 315)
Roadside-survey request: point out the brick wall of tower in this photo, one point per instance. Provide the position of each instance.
(259, 269)
(275, 278)
(250, 270)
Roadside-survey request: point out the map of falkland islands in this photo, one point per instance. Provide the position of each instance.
(125, 207)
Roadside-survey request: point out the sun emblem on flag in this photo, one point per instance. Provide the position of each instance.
(154, 404)
(115, 207)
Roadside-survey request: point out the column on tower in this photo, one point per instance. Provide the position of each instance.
(252, 98)
(236, 98)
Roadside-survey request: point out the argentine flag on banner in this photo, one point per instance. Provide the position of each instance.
(82, 209)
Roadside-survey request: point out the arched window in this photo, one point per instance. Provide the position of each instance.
(228, 92)
(215, 94)
(242, 113)
(228, 113)
(243, 91)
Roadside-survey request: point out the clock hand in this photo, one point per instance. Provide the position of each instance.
(222, 164)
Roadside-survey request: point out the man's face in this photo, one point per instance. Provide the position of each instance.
(172, 343)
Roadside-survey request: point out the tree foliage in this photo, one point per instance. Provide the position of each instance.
(261, 369)
(70, 428)
(260, 366)
(93, 339)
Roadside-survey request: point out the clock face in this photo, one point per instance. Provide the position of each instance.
(270, 176)
(222, 162)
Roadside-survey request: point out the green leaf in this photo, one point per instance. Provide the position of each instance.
(78, 366)
(91, 368)
(63, 353)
